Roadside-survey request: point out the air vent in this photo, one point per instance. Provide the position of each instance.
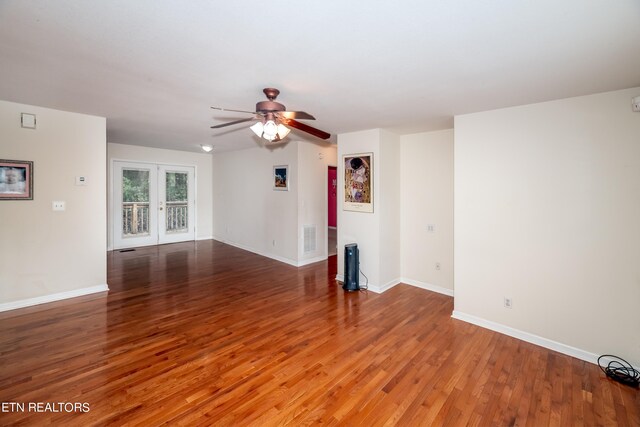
(309, 238)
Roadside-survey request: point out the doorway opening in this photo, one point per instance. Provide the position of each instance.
(332, 214)
(152, 204)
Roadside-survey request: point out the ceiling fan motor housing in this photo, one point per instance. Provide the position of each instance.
(269, 106)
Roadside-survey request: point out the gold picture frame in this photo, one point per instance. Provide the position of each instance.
(358, 182)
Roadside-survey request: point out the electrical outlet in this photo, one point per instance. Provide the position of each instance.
(508, 302)
(437, 266)
(431, 228)
(273, 243)
(58, 206)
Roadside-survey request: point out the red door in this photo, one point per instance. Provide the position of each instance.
(332, 188)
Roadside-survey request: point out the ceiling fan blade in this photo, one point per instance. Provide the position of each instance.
(306, 128)
(300, 115)
(234, 111)
(235, 122)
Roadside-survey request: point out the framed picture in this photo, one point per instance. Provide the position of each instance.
(358, 182)
(281, 178)
(16, 180)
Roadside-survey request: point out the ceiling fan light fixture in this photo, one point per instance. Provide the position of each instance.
(283, 131)
(257, 129)
(270, 130)
(269, 115)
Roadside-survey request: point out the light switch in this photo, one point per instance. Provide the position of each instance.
(58, 206)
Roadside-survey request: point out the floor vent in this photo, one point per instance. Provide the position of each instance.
(309, 238)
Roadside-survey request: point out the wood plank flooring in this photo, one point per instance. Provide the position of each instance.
(207, 334)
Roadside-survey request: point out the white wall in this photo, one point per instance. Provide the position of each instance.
(44, 253)
(247, 211)
(360, 227)
(547, 212)
(389, 207)
(250, 214)
(202, 163)
(313, 162)
(426, 174)
(375, 233)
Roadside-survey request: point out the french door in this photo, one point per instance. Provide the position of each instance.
(153, 204)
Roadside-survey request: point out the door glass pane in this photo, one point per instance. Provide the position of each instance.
(177, 206)
(135, 202)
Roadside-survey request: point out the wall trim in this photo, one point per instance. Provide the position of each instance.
(422, 285)
(427, 286)
(312, 260)
(53, 297)
(380, 289)
(205, 238)
(257, 252)
(372, 286)
(272, 256)
(530, 338)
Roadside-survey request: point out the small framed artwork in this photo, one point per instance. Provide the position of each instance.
(281, 178)
(358, 182)
(16, 180)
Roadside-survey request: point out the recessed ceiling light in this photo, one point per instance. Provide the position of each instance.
(206, 148)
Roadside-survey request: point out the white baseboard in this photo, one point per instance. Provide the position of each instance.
(111, 248)
(422, 285)
(52, 297)
(372, 286)
(380, 289)
(272, 256)
(257, 252)
(428, 286)
(531, 338)
(312, 260)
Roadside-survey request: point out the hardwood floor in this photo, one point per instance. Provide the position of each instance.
(207, 334)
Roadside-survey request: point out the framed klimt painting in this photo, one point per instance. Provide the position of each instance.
(16, 180)
(358, 182)
(281, 178)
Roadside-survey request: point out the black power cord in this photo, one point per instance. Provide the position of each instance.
(620, 370)
(366, 286)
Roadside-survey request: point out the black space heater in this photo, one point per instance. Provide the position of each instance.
(351, 268)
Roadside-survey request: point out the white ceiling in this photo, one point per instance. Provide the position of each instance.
(154, 68)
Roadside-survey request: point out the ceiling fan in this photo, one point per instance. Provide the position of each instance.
(272, 117)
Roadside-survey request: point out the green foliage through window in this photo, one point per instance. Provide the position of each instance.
(177, 186)
(135, 186)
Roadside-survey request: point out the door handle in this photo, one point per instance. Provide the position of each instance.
(160, 207)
